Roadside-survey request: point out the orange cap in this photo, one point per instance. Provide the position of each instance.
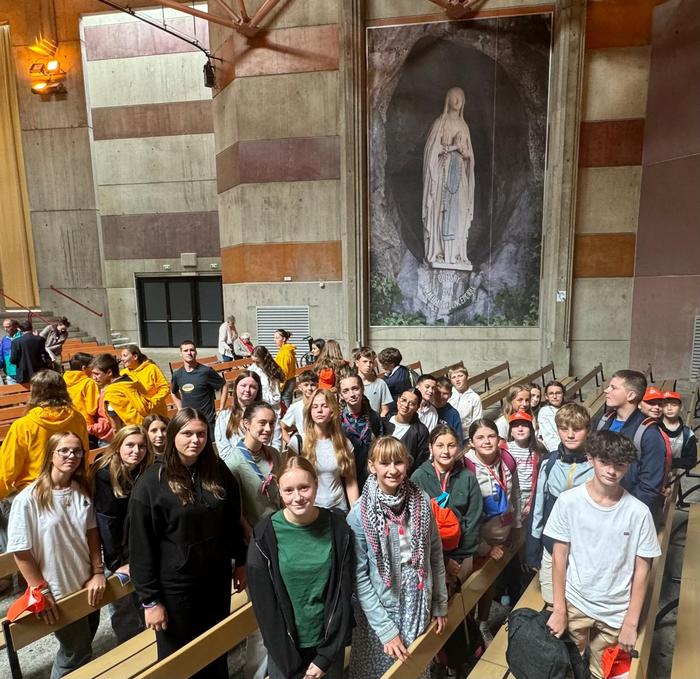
(673, 394)
(652, 394)
(521, 415)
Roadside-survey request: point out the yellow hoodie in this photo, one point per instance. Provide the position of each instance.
(128, 400)
(287, 360)
(157, 388)
(24, 447)
(84, 393)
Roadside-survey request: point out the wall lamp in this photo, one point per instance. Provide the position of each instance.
(49, 76)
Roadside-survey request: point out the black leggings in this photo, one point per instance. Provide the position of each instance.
(191, 614)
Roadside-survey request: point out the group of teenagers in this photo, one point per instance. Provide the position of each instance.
(349, 515)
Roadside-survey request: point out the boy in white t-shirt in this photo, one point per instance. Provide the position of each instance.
(376, 390)
(604, 541)
(293, 420)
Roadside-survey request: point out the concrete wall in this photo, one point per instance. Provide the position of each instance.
(62, 200)
(153, 149)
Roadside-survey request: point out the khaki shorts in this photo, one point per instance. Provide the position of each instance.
(545, 574)
(585, 631)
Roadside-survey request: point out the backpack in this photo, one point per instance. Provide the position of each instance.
(535, 653)
(637, 438)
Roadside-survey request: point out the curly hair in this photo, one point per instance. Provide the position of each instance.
(611, 447)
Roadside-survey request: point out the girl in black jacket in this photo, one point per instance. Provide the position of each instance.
(405, 426)
(300, 580)
(123, 461)
(184, 531)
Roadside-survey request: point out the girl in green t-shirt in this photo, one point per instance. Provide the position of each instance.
(300, 580)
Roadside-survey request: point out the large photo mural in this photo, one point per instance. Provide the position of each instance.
(457, 116)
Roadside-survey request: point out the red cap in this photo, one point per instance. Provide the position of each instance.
(673, 394)
(652, 394)
(521, 415)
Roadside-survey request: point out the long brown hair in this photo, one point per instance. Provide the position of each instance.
(267, 364)
(236, 416)
(335, 432)
(179, 478)
(331, 356)
(512, 393)
(121, 478)
(48, 390)
(44, 485)
(146, 424)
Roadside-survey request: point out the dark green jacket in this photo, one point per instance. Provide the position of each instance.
(465, 501)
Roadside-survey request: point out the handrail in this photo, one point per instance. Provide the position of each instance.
(26, 308)
(72, 299)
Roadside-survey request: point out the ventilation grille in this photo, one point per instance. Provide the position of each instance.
(695, 356)
(294, 319)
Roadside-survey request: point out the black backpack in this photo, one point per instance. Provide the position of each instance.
(535, 653)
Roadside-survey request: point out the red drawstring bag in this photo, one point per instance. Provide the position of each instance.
(615, 663)
(32, 600)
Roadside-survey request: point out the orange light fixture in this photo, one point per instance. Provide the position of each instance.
(44, 46)
(53, 66)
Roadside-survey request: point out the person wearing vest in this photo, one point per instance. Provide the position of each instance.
(565, 468)
(645, 478)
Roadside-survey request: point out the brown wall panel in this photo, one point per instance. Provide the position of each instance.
(609, 143)
(152, 120)
(618, 23)
(604, 255)
(286, 50)
(272, 262)
(278, 160)
(119, 41)
(160, 235)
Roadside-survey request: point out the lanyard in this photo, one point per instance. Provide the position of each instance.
(501, 482)
(266, 480)
(443, 483)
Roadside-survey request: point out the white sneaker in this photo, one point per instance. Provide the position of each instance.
(485, 633)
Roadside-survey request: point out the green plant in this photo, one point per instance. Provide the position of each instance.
(385, 296)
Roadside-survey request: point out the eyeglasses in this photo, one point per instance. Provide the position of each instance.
(66, 453)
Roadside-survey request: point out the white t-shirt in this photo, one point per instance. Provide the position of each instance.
(294, 417)
(331, 492)
(56, 537)
(378, 394)
(503, 427)
(399, 429)
(468, 405)
(429, 417)
(548, 427)
(604, 542)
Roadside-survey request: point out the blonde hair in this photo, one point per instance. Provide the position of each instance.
(573, 415)
(44, 484)
(122, 479)
(456, 371)
(335, 433)
(294, 462)
(388, 449)
(512, 393)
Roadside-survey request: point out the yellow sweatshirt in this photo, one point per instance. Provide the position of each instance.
(157, 388)
(84, 393)
(24, 447)
(128, 400)
(287, 360)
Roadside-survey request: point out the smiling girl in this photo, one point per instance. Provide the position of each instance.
(300, 580)
(155, 426)
(123, 461)
(228, 429)
(399, 569)
(518, 398)
(407, 427)
(326, 447)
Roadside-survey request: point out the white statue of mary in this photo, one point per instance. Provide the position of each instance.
(448, 187)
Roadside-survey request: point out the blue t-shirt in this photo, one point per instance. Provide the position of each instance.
(449, 415)
(617, 425)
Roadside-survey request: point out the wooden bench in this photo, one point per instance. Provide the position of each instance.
(134, 657)
(444, 372)
(204, 360)
(93, 350)
(686, 650)
(667, 385)
(232, 366)
(576, 387)
(28, 628)
(486, 376)
(11, 413)
(493, 396)
(416, 366)
(13, 388)
(18, 398)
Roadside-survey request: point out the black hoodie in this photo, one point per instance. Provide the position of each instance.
(273, 608)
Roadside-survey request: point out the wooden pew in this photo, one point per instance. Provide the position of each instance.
(11, 413)
(486, 375)
(4, 428)
(13, 388)
(496, 395)
(18, 398)
(138, 654)
(205, 360)
(28, 628)
(444, 372)
(686, 650)
(93, 350)
(576, 388)
(232, 366)
(416, 366)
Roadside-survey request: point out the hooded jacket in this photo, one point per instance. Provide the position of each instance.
(286, 359)
(274, 610)
(128, 400)
(157, 389)
(84, 393)
(24, 447)
(5, 363)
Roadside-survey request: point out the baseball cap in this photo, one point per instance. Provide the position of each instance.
(520, 416)
(673, 395)
(652, 394)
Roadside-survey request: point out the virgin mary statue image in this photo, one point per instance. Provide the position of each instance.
(448, 187)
